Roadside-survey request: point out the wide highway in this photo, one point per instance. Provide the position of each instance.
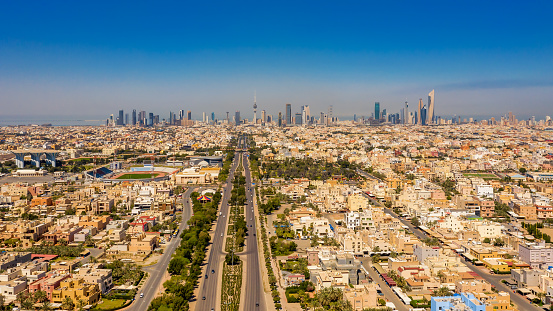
(207, 299)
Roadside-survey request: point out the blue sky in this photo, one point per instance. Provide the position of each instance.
(482, 57)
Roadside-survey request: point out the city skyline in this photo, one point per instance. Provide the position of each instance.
(483, 66)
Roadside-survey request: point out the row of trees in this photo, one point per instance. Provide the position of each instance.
(534, 230)
(185, 266)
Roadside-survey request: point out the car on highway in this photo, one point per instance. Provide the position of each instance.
(141, 295)
(203, 298)
(212, 271)
(221, 234)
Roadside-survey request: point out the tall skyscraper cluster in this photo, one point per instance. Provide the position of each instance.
(141, 118)
(423, 114)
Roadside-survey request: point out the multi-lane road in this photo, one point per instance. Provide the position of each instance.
(158, 270)
(254, 287)
(207, 299)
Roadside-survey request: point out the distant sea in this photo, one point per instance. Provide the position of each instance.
(53, 120)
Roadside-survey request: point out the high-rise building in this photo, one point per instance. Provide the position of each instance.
(419, 112)
(264, 117)
(134, 117)
(298, 118)
(306, 114)
(254, 109)
(120, 120)
(384, 114)
(288, 114)
(142, 117)
(213, 117)
(126, 119)
(279, 119)
(430, 108)
(181, 114)
(424, 114)
(237, 117)
(227, 118)
(189, 115)
(406, 118)
(377, 111)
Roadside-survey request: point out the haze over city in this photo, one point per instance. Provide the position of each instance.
(85, 61)
(279, 156)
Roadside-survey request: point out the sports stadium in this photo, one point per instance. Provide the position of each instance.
(147, 172)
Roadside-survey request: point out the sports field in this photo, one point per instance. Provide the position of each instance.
(138, 176)
(481, 175)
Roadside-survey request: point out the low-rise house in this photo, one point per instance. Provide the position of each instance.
(103, 277)
(76, 289)
(362, 296)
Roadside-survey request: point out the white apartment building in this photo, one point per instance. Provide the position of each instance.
(536, 255)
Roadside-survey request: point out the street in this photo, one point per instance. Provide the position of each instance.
(386, 290)
(209, 282)
(254, 287)
(157, 271)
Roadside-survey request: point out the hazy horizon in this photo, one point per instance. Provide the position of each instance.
(81, 60)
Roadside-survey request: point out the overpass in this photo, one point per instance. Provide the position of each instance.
(35, 154)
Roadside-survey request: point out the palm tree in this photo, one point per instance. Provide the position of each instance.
(442, 291)
(27, 304)
(68, 303)
(40, 296)
(46, 306)
(441, 275)
(80, 304)
(375, 258)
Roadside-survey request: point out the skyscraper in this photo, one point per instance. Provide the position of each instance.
(120, 120)
(377, 111)
(306, 114)
(279, 119)
(298, 118)
(419, 112)
(254, 109)
(126, 118)
(134, 117)
(264, 117)
(237, 117)
(288, 114)
(189, 115)
(406, 119)
(430, 108)
(213, 117)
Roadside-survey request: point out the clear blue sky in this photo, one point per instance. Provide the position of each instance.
(76, 59)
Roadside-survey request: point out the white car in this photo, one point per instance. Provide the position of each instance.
(141, 295)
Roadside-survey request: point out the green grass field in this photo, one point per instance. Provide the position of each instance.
(108, 304)
(483, 175)
(137, 176)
